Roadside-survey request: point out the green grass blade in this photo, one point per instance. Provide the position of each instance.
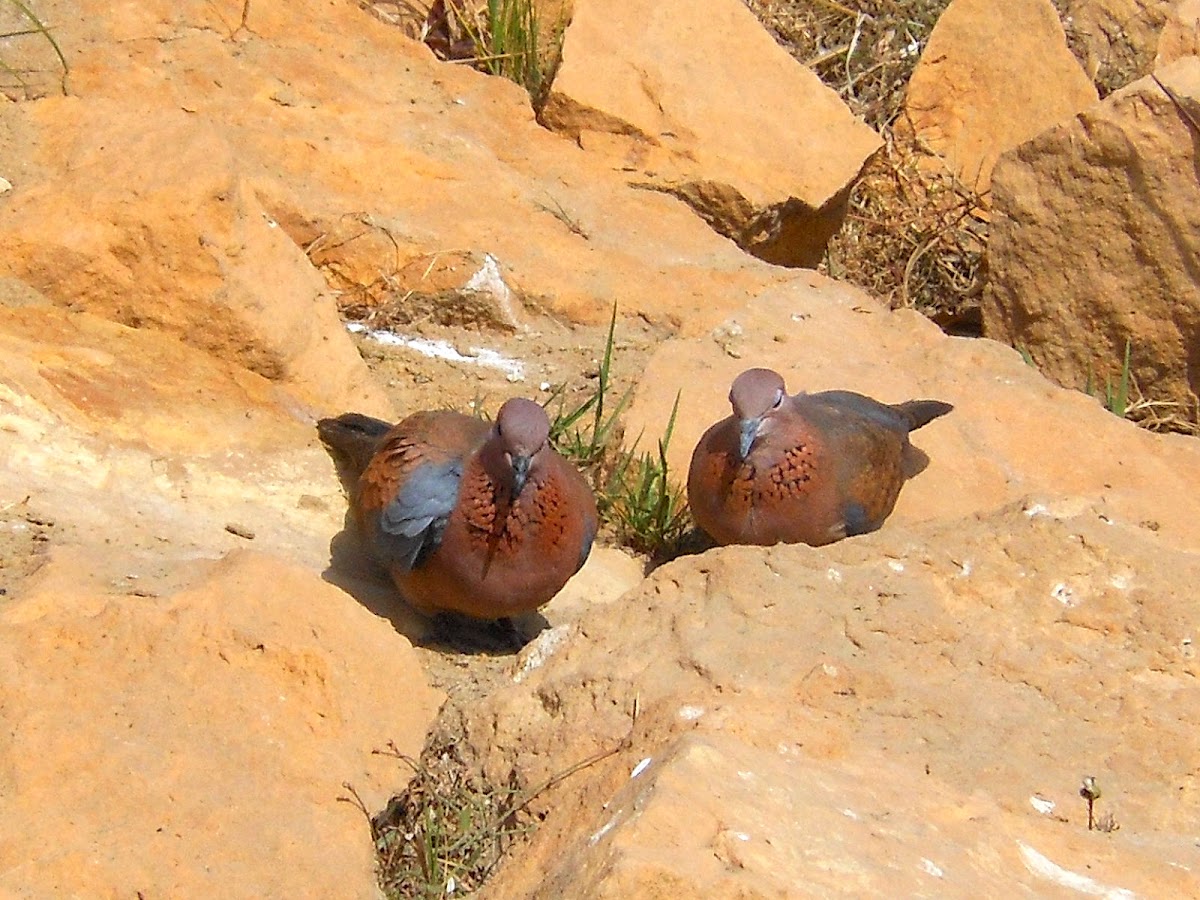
(44, 32)
(605, 368)
(1122, 399)
(9, 70)
(1116, 398)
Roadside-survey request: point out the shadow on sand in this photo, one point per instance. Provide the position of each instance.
(355, 571)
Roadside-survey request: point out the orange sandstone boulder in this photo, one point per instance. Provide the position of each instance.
(700, 102)
(1094, 242)
(992, 76)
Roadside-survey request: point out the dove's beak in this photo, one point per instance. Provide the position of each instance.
(749, 431)
(520, 468)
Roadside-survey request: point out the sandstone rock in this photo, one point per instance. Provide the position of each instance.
(908, 713)
(961, 100)
(1180, 34)
(608, 573)
(134, 387)
(1011, 433)
(15, 294)
(148, 222)
(438, 158)
(458, 288)
(199, 744)
(1094, 243)
(772, 174)
(137, 443)
(1117, 39)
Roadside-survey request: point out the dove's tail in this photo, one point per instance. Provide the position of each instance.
(922, 412)
(354, 438)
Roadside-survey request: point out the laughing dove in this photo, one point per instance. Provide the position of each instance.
(467, 516)
(812, 469)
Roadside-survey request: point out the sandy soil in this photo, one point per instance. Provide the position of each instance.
(25, 535)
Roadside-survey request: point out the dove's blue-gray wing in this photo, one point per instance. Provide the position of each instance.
(864, 407)
(589, 537)
(900, 417)
(410, 526)
(410, 488)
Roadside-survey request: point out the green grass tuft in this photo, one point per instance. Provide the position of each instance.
(648, 511)
(500, 37)
(513, 29)
(588, 444)
(444, 834)
(1116, 400)
(635, 496)
(1115, 397)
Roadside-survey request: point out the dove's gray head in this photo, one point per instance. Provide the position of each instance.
(523, 430)
(754, 395)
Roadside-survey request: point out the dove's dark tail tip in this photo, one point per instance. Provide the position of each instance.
(353, 426)
(354, 437)
(922, 412)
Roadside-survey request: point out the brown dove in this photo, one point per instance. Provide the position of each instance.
(812, 469)
(467, 516)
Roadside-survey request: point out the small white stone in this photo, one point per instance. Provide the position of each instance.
(605, 829)
(541, 649)
(1042, 805)
(1064, 594)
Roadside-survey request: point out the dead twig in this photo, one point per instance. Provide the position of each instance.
(563, 216)
(1184, 105)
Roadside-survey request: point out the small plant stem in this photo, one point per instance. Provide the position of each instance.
(39, 27)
